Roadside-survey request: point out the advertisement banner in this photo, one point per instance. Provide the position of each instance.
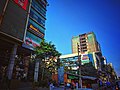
(22, 3)
(31, 41)
(85, 58)
(34, 29)
(14, 21)
(61, 75)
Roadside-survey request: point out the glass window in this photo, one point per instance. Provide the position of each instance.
(37, 17)
(39, 8)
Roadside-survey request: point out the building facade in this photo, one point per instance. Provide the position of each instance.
(13, 16)
(36, 24)
(71, 61)
(22, 27)
(87, 42)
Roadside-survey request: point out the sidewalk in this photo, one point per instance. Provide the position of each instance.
(30, 88)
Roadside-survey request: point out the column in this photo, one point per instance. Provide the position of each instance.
(12, 60)
(36, 70)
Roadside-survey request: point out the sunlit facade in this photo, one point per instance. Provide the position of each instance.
(71, 60)
(87, 42)
(36, 24)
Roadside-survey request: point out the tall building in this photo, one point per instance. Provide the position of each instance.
(87, 42)
(13, 16)
(35, 31)
(36, 24)
(22, 27)
(89, 49)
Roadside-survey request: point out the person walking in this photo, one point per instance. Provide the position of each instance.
(118, 84)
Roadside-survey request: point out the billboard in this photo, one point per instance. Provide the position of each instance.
(14, 21)
(61, 75)
(35, 30)
(85, 58)
(90, 55)
(22, 3)
(33, 37)
(31, 41)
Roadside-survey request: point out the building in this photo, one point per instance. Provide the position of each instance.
(87, 42)
(35, 32)
(71, 61)
(36, 24)
(13, 16)
(22, 27)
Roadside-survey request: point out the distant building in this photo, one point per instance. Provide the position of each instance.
(71, 60)
(87, 42)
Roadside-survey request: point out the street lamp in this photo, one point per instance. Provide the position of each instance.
(79, 60)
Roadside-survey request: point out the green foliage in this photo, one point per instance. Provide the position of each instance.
(46, 50)
(48, 56)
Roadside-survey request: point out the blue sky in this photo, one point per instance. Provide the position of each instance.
(67, 18)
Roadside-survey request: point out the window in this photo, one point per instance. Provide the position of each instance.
(37, 17)
(39, 8)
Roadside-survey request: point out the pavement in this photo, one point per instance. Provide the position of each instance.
(54, 88)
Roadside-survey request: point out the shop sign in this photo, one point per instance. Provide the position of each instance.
(31, 42)
(72, 77)
(35, 29)
(22, 3)
(85, 57)
(61, 74)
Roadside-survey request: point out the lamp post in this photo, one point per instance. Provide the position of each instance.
(79, 60)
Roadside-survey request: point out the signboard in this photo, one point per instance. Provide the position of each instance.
(14, 21)
(22, 3)
(85, 58)
(91, 58)
(31, 41)
(61, 75)
(72, 77)
(31, 27)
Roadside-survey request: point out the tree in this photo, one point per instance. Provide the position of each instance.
(47, 57)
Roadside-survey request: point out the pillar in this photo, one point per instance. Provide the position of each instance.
(12, 60)
(36, 70)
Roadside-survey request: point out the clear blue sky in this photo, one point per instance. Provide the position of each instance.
(67, 18)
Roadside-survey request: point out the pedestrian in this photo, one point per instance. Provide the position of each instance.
(65, 86)
(118, 84)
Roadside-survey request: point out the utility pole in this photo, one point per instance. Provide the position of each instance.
(79, 60)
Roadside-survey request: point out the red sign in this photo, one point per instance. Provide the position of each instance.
(85, 57)
(31, 43)
(22, 3)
